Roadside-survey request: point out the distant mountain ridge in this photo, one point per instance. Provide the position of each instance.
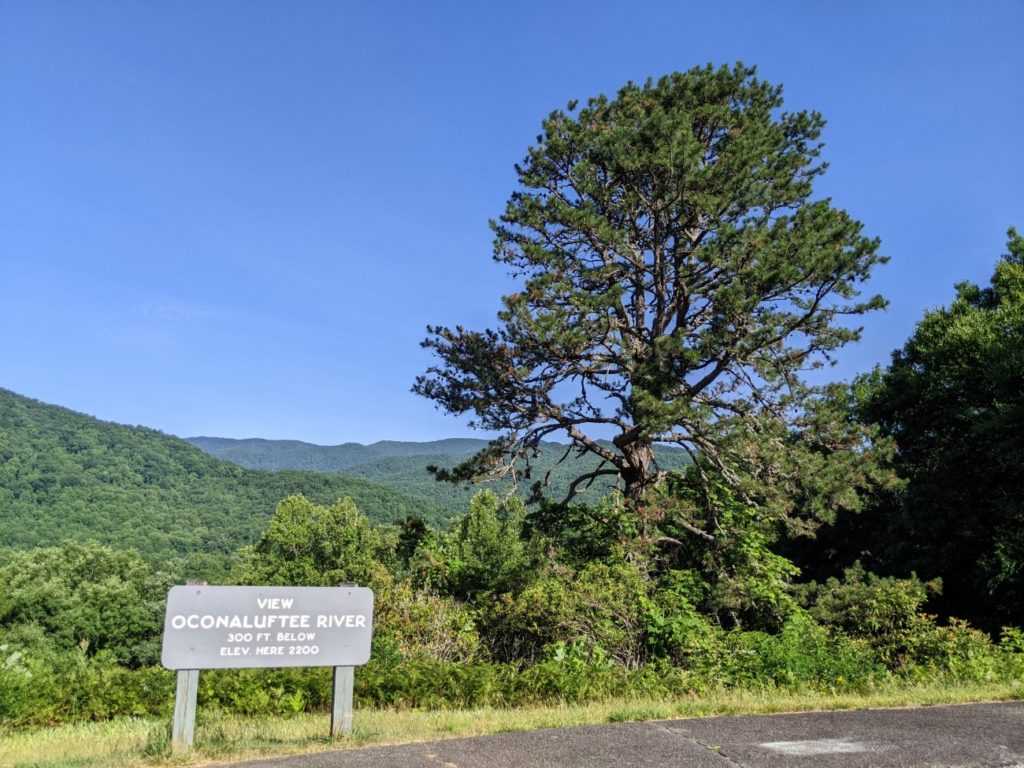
(402, 466)
(258, 453)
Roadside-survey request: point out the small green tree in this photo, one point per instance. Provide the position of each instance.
(483, 553)
(309, 545)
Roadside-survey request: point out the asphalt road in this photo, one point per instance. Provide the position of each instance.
(964, 735)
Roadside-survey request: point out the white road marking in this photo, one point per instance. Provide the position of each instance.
(820, 747)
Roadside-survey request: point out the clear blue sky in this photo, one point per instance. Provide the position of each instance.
(236, 218)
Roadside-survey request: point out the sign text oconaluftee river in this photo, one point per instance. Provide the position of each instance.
(213, 627)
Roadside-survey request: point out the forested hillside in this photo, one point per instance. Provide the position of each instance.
(402, 466)
(64, 475)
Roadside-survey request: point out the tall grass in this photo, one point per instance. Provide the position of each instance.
(133, 742)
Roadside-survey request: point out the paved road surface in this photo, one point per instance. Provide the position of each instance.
(966, 735)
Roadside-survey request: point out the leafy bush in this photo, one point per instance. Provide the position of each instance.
(72, 687)
(803, 654)
(1011, 652)
(418, 625)
(867, 605)
(281, 692)
(85, 595)
(599, 608)
(675, 629)
(886, 613)
(69, 686)
(431, 683)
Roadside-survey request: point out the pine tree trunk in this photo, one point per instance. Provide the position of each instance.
(637, 472)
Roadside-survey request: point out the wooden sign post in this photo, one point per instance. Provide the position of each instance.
(341, 701)
(184, 726)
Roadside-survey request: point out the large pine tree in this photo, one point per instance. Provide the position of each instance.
(677, 282)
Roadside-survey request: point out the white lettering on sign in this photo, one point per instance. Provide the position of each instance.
(274, 602)
(341, 621)
(295, 637)
(259, 621)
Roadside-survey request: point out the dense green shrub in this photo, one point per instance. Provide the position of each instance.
(868, 605)
(68, 686)
(886, 613)
(675, 629)
(84, 595)
(458, 629)
(266, 691)
(416, 625)
(569, 678)
(802, 654)
(431, 683)
(600, 608)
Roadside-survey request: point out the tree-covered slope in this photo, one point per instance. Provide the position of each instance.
(64, 475)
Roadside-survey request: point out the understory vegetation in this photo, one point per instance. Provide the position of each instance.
(503, 609)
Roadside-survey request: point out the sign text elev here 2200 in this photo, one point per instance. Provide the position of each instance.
(226, 627)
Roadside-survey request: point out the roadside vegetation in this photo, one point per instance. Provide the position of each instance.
(492, 613)
(134, 742)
